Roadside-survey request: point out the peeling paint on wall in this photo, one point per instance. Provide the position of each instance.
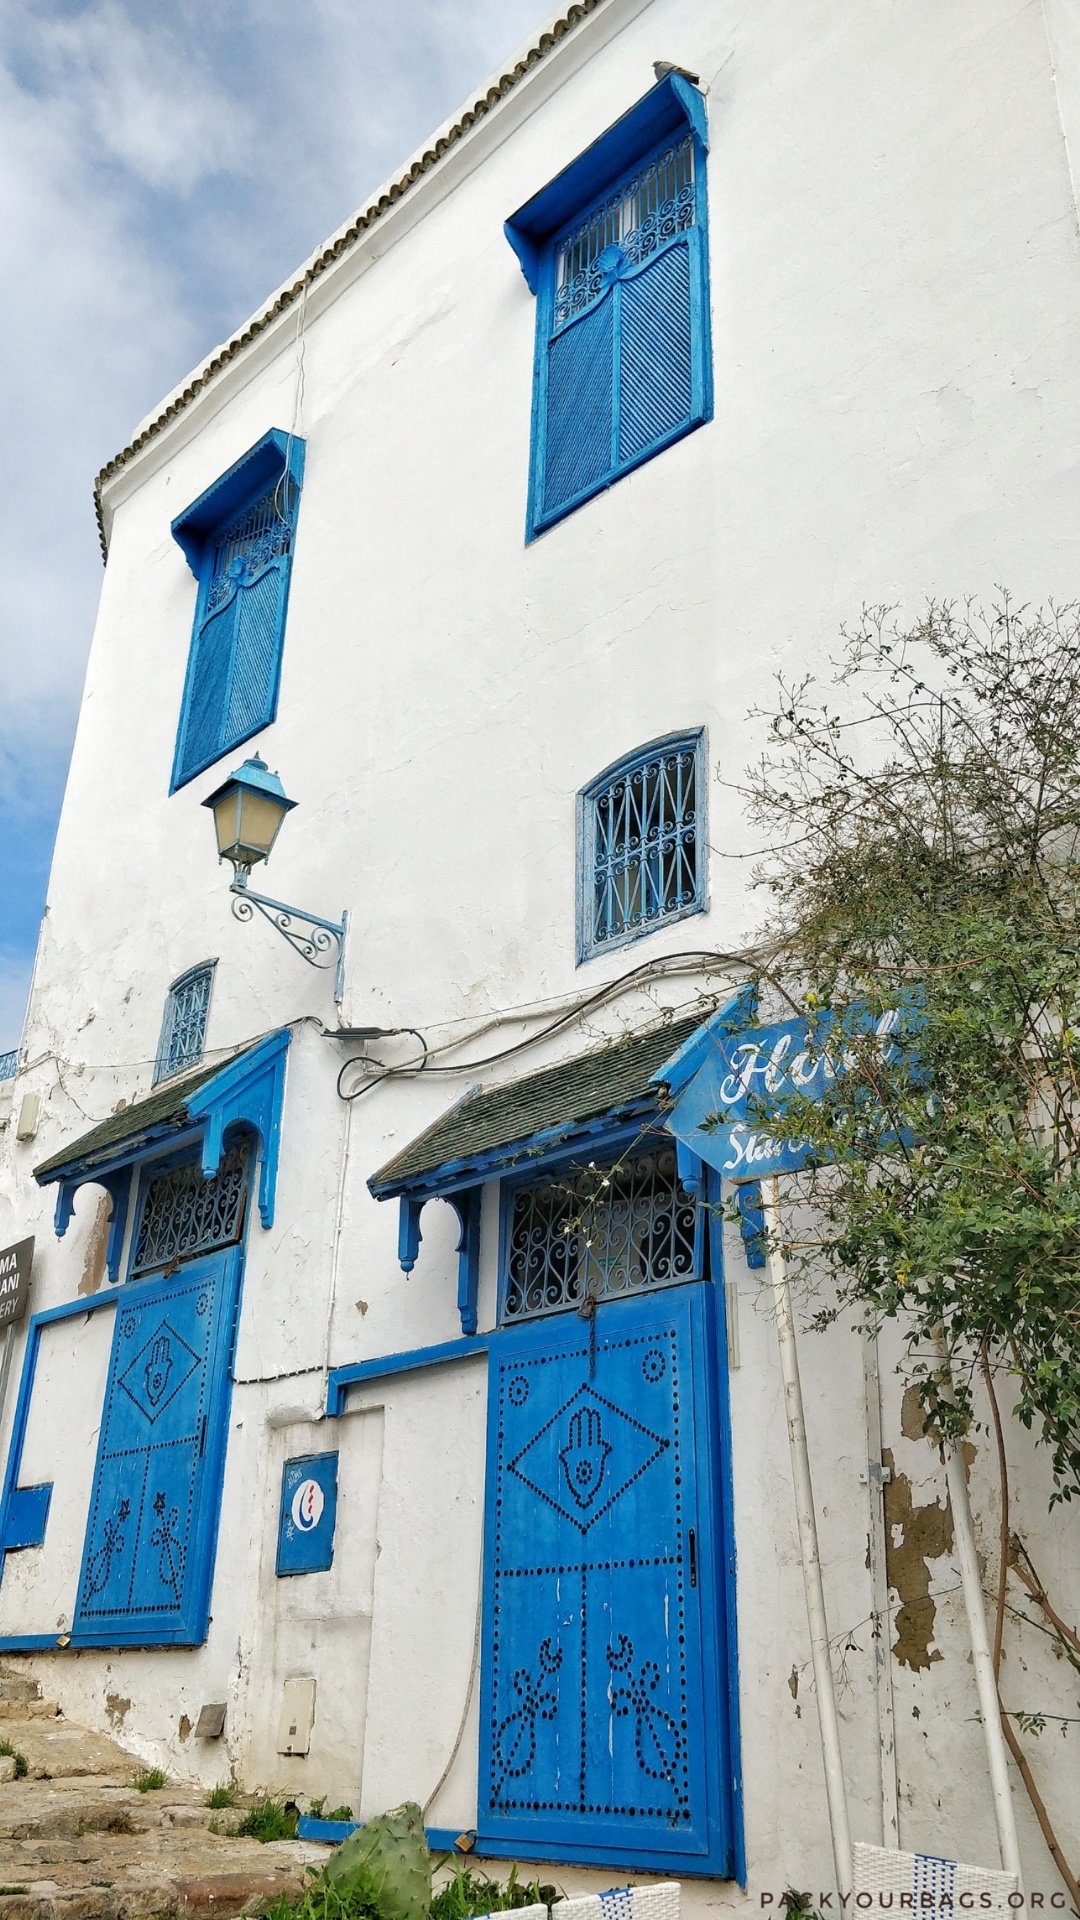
(117, 1709)
(93, 1272)
(914, 1536)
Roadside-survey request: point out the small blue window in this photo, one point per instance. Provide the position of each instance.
(622, 340)
(238, 538)
(183, 1029)
(643, 845)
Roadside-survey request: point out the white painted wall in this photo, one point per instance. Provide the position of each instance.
(896, 299)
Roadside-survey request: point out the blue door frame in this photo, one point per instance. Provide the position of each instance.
(184, 1623)
(607, 1721)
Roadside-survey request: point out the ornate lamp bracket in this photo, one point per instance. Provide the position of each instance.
(320, 942)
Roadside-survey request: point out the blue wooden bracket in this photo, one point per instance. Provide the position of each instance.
(466, 1205)
(25, 1516)
(751, 1221)
(117, 1185)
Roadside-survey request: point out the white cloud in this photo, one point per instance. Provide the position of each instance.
(161, 170)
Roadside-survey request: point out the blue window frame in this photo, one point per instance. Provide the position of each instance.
(238, 538)
(183, 1026)
(624, 1224)
(642, 843)
(616, 251)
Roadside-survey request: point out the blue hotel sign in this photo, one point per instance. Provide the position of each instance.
(759, 1068)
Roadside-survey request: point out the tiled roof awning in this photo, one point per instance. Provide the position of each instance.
(245, 1089)
(491, 1129)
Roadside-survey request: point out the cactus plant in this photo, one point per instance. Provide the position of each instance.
(388, 1863)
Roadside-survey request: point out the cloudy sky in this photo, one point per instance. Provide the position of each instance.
(163, 165)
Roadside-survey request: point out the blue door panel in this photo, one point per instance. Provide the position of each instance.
(599, 1725)
(153, 1507)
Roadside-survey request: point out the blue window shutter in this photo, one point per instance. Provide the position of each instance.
(623, 349)
(603, 1672)
(256, 654)
(209, 670)
(239, 544)
(656, 387)
(579, 406)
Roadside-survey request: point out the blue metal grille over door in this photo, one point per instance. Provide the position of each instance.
(599, 1712)
(153, 1510)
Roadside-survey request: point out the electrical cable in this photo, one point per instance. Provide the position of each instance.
(653, 968)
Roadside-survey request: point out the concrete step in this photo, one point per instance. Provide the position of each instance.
(17, 1688)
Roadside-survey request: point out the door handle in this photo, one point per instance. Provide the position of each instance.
(691, 1542)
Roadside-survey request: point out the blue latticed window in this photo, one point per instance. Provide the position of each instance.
(598, 1233)
(183, 1028)
(643, 843)
(622, 346)
(238, 538)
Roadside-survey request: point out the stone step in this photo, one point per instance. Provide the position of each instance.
(78, 1841)
(18, 1687)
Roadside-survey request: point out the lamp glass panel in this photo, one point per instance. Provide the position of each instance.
(227, 821)
(260, 818)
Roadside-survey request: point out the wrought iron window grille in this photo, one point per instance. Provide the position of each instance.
(644, 845)
(257, 537)
(181, 1215)
(655, 206)
(599, 1234)
(183, 1026)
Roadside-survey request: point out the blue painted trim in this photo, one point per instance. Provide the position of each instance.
(466, 1204)
(92, 1304)
(277, 456)
(724, 1497)
(659, 114)
(27, 1517)
(332, 1832)
(340, 1379)
(693, 740)
(444, 1840)
(533, 1152)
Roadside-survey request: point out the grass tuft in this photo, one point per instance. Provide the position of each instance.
(8, 1752)
(221, 1797)
(151, 1781)
(269, 1820)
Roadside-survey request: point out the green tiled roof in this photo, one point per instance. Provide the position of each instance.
(607, 1080)
(165, 1107)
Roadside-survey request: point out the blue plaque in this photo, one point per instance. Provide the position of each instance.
(308, 1514)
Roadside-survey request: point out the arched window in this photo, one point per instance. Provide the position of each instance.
(642, 843)
(183, 1028)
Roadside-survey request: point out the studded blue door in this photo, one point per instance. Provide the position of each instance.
(152, 1524)
(603, 1710)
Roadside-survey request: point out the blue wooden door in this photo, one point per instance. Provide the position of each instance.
(152, 1525)
(603, 1711)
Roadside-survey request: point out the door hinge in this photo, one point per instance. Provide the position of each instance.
(691, 1541)
(202, 1435)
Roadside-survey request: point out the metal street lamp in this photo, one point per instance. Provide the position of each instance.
(248, 811)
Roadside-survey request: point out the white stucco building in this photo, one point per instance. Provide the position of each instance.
(701, 328)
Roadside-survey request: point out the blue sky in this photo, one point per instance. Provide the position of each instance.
(162, 168)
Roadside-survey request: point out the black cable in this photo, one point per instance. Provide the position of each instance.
(532, 1039)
